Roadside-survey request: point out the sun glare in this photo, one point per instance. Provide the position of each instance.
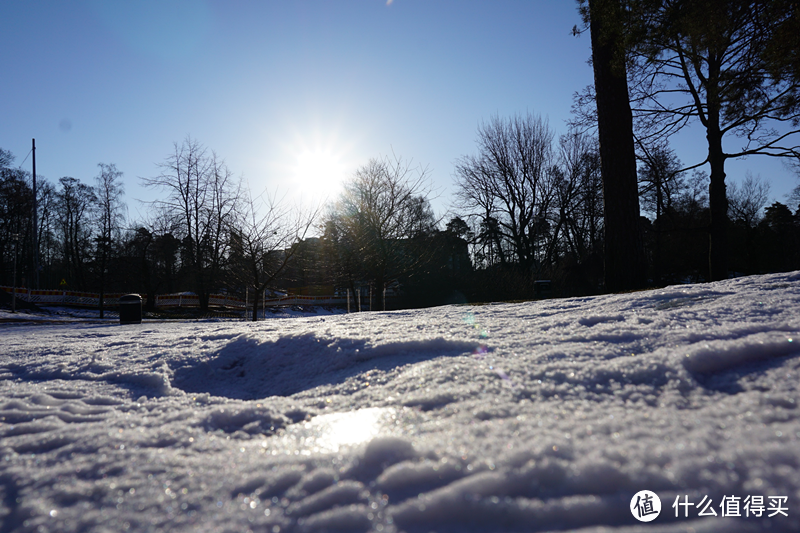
(318, 171)
(314, 159)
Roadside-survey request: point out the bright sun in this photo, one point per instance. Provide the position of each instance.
(315, 160)
(318, 171)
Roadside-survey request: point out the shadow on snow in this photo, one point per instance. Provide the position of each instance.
(248, 368)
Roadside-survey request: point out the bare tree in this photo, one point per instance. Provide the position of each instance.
(15, 215)
(201, 195)
(794, 195)
(660, 181)
(46, 204)
(265, 240)
(110, 217)
(75, 206)
(579, 195)
(342, 257)
(509, 188)
(660, 177)
(747, 200)
(384, 203)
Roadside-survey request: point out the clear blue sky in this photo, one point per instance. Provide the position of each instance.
(294, 95)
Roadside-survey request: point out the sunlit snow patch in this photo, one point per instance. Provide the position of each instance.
(330, 432)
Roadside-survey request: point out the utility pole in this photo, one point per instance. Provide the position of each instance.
(35, 223)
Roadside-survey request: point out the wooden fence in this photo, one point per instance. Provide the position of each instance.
(92, 300)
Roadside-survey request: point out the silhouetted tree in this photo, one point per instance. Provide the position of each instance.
(579, 206)
(746, 201)
(625, 264)
(509, 188)
(110, 217)
(660, 181)
(340, 252)
(266, 238)
(745, 204)
(731, 65)
(660, 175)
(46, 204)
(684, 231)
(16, 206)
(459, 228)
(384, 203)
(794, 196)
(76, 207)
(201, 196)
(151, 264)
(780, 238)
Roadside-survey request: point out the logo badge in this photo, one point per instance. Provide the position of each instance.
(645, 506)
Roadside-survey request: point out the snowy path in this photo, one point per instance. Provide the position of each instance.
(541, 416)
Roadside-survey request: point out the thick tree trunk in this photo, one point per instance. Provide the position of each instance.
(625, 265)
(718, 206)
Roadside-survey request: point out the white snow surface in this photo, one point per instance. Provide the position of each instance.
(539, 416)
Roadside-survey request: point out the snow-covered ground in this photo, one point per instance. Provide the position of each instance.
(538, 416)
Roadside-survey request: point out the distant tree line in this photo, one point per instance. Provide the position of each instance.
(207, 233)
(529, 207)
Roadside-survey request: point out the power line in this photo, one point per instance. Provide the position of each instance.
(26, 158)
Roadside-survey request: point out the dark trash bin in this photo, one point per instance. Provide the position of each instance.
(130, 309)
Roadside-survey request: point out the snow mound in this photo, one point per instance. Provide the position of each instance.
(249, 368)
(720, 355)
